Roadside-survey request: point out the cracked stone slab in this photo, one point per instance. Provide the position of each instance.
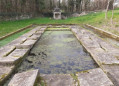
(24, 79)
(43, 29)
(109, 34)
(110, 49)
(5, 72)
(105, 58)
(4, 51)
(106, 46)
(113, 73)
(91, 44)
(75, 30)
(30, 33)
(94, 77)
(34, 37)
(39, 32)
(95, 50)
(19, 53)
(98, 48)
(58, 79)
(37, 28)
(13, 57)
(17, 41)
(28, 44)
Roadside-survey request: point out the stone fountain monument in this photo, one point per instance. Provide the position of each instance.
(57, 13)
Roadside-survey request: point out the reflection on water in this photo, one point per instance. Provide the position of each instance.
(58, 52)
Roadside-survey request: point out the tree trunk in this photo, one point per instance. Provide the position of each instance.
(107, 9)
(112, 13)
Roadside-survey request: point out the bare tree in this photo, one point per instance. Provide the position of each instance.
(107, 9)
(112, 13)
(109, 6)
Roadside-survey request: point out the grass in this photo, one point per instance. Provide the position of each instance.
(9, 39)
(95, 19)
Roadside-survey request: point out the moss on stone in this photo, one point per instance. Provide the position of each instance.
(3, 76)
(76, 81)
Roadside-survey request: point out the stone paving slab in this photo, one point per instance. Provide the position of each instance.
(19, 53)
(58, 80)
(109, 34)
(4, 51)
(5, 72)
(34, 37)
(39, 32)
(91, 42)
(30, 33)
(106, 46)
(75, 30)
(13, 57)
(43, 29)
(28, 44)
(98, 50)
(37, 28)
(110, 49)
(94, 77)
(24, 79)
(17, 41)
(105, 58)
(113, 73)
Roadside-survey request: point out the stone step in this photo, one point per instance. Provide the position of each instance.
(105, 58)
(38, 32)
(5, 73)
(94, 77)
(14, 57)
(30, 33)
(34, 37)
(17, 41)
(43, 29)
(92, 42)
(109, 34)
(4, 51)
(24, 79)
(113, 73)
(58, 80)
(28, 44)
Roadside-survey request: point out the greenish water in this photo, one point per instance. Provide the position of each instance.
(58, 52)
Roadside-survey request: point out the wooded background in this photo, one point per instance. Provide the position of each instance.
(31, 8)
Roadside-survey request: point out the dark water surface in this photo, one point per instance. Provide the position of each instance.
(58, 52)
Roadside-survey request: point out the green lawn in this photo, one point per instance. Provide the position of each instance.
(95, 19)
(10, 38)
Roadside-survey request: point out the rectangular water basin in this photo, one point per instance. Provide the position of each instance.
(58, 52)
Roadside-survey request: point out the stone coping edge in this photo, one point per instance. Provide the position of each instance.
(19, 30)
(111, 35)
